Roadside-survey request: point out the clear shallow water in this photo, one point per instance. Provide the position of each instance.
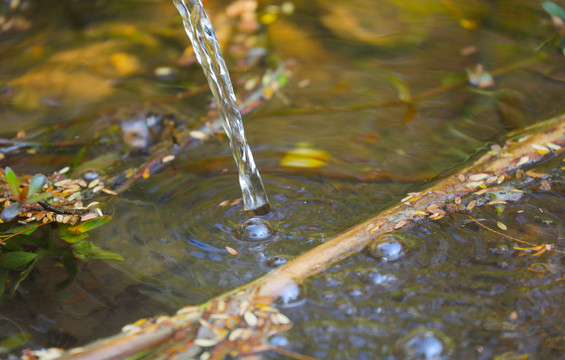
(172, 230)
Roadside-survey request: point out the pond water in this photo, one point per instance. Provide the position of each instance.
(343, 114)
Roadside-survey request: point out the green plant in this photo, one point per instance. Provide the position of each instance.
(21, 251)
(28, 194)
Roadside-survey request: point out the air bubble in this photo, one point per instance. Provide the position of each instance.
(424, 344)
(256, 229)
(389, 249)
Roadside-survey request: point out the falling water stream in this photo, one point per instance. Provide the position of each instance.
(209, 55)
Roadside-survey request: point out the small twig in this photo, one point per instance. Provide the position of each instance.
(512, 238)
(62, 210)
(8, 237)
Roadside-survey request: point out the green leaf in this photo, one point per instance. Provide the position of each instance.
(38, 197)
(90, 224)
(8, 214)
(22, 229)
(553, 9)
(35, 184)
(15, 259)
(14, 341)
(87, 250)
(70, 237)
(23, 275)
(12, 180)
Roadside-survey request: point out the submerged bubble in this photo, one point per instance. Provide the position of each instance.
(425, 345)
(387, 249)
(292, 296)
(277, 260)
(256, 229)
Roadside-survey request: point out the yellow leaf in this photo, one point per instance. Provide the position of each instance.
(305, 156)
(124, 63)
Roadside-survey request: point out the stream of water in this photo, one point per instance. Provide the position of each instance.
(209, 55)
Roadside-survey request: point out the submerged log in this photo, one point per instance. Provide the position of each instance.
(240, 321)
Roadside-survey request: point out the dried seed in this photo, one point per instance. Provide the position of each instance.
(437, 216)
(435, 209)
(62, 182)
(516, 191)
(64, 170)
(535, 175)
(461, 178)
(501, 225)
(282, 319)
(480, 192)
(250, 318)
(500, 179)
(523, 160)
(400, 224)
(221, 306)
(59, 218)
(553, 146)
(206, 342)
(474, 184)
(231, 250)
(440, 192)
(99, 211)
(93, 183)
(188, 309)
(224, 203)
(205, 355)
(246, 334)
(540, 148)
(109, 192)
(497, 202)
(478, 177)
(89, 216)
(94, 203)
(471, 204)
(199, 135)
(545, 185)
(406, 198)
(235, 334)
(168, 158)
(491, 180)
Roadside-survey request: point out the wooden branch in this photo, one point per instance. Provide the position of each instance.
(182, 333)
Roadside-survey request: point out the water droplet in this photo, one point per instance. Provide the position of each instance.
(373, 277)
(328, 296)
(277, 260)
(90, 175)
(423, 345)
(256, 229)
(388, 249)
